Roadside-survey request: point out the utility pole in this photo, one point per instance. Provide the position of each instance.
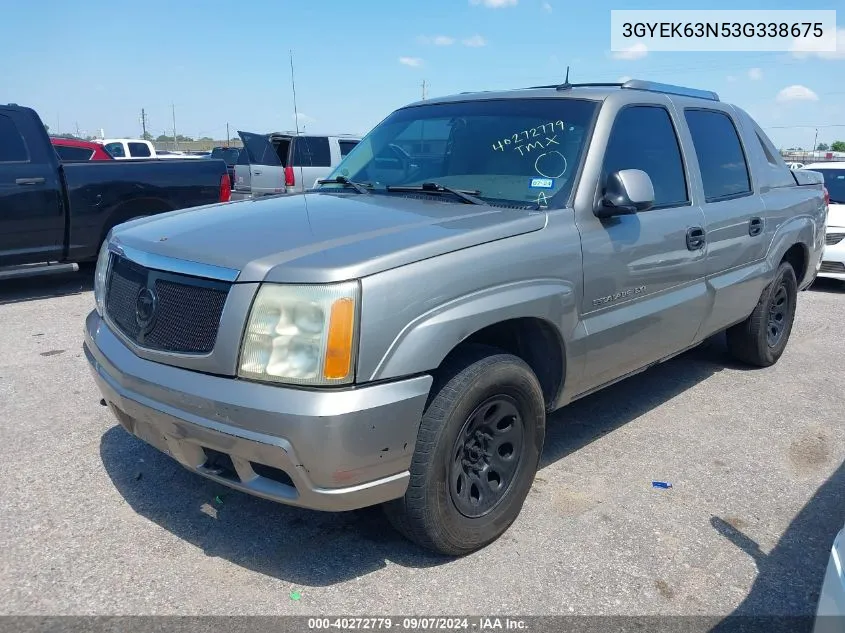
(173, 110)
(77, 130)
(144, 123)
(816, 140)
(423, 89)
(227, 135)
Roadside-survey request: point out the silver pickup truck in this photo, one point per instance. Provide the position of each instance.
(399, 335)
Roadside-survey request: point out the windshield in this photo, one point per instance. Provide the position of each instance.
(834, 180)
(228, 154)
(515, 151)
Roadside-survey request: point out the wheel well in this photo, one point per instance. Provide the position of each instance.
(797, 257)
(533, 340)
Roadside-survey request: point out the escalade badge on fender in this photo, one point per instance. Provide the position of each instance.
(622, 294)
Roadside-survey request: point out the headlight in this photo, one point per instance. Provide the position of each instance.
(100, 274)
(302, 335)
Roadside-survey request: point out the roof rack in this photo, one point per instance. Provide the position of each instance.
(639, 84)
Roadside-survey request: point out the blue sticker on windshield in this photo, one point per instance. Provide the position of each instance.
(542, 183)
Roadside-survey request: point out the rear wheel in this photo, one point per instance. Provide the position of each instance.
(761, 338)
(477, 452)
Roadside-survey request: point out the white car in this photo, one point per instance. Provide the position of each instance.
(833, 260)
(830, 613)
(795, 165)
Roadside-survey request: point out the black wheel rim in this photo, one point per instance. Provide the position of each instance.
(486, 456)
(778, 311)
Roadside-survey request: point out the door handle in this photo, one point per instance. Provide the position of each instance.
(256, 173)
(755, 226)
(695, 238)
(29, 181)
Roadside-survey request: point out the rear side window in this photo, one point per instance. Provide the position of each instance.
(346, 147)
(116, 150)
(644, 138)
(139, 150)
(312, 151)
(724, 171)
(12, 146)
(73, 154)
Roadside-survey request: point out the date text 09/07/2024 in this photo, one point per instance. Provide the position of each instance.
(479, 624)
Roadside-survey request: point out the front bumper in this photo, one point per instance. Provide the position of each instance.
(833, 259)
(321, 449)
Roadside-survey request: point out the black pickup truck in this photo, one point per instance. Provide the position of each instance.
(54, 215)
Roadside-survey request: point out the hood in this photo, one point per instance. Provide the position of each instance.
(323, 237)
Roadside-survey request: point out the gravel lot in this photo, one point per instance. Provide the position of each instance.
(93, 521)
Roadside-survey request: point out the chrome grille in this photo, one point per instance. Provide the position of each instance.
(833, 238)
(186, 310)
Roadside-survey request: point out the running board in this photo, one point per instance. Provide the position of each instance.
(35, 270)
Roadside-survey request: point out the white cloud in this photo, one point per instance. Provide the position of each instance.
(303, 118)
(411, 61)
(811, 46)
(476, 41)
(494, 4)
(437, 40)
(547, 7)
(755, 74)
(635, 51)
(623, 79)
(797, 92)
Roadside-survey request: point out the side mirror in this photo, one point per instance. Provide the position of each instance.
(626, 191)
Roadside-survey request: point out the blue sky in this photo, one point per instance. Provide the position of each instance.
(96, 63)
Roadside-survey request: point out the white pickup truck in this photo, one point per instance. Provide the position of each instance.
(129, 148)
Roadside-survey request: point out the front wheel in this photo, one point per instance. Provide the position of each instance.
(476, 455)
(762, 337)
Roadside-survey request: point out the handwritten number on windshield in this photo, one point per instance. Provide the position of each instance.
(518, 139)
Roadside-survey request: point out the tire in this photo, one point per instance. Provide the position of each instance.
(474, 460)
(762, 337)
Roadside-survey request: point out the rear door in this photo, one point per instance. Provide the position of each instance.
(311, 160)
(266, 170)
(32, 220)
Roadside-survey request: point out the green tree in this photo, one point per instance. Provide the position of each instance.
(837, 146)
(147, 136)
(822, 147)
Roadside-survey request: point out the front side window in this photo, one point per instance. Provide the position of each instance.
(724, 171)
(644, 138)
(346, 146)
(511, 151)
(116, 150)
(139, 150)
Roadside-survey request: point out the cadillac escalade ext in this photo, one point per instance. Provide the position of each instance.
(399, 335)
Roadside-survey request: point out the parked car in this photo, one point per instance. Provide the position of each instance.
(71, 150)
(830, 611)
(283, 162)
(833, 261)
(228, 155)
(56, 211)
(795, 165)
(398, 335)
(135, 148)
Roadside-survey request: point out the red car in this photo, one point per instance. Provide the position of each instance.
(71, 150)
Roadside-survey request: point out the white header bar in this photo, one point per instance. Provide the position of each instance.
(634, 33)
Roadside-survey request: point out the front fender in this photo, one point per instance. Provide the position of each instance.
(425, 341)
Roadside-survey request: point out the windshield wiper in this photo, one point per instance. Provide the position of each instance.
(343, 180)
(433, 187)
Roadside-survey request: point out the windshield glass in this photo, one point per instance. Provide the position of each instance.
(228, 154)
(834, 180)
(518, 151)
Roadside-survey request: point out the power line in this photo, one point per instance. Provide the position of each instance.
(795, 127)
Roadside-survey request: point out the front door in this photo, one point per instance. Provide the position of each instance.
(644, 280)
(32, 220)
